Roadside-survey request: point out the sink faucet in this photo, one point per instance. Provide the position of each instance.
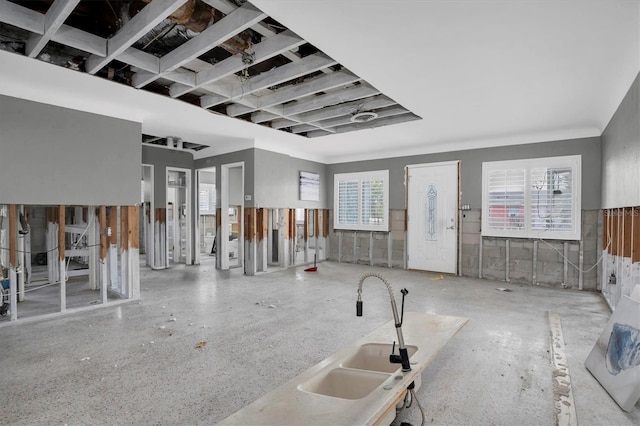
(404, 356)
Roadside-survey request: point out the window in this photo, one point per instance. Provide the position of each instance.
(207, 199)
(535, 198)
(361, 201)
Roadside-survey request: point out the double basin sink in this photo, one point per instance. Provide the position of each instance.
(359, 374)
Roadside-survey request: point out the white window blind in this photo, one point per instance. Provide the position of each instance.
(535, 198)
(361, 201)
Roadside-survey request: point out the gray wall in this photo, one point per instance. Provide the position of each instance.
(277, 181)
(161, 158)
(271, 178)
(471, 168)
(621, 153)
(246, 156)
(74, 157)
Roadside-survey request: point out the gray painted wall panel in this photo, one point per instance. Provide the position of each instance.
(277, 181)
(246, 156)
(621, 153)
(471, 168)
(73, 157)
(161, 158)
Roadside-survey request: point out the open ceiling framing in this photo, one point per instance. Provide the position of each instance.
(225, 56)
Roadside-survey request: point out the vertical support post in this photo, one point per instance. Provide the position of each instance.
(286, 239)
(580, 265)
(566, 264)
(305, 235)
(27, 247)
(217, 237)
(325, 233)
(20, 269)
(459, 229)
(114, 281)
(292, 235)
(339, 246)
(134, 252)
(389, 249)
(92, 239)
(355, 247)
(506, 260)
(371, 248)
(534, 265)
(250, 241)
(316, 233)
(13, 262)
(61, 246)
(480, 259)
(104, 277)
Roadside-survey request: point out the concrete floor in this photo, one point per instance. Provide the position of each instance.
(133, 364)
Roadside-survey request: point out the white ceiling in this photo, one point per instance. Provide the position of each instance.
(479, 73)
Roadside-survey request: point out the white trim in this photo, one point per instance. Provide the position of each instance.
(152, 212)
(187, 173)
(570, 161)
(223, 246)
(360, 176)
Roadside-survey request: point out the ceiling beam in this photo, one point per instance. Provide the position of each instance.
(21, 17)
(229, 26)
(348, 108)
(369, 125)
(349, 94)
(80, 40)
(267, 49)
(346, 120)
(55, 17)
(226, 7)
(290, 71)
(292, 92)
(132, 31)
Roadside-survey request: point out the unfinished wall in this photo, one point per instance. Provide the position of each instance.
(621, 153)
(537, 262)
(620, 199)
(70, 155)
(550, 266)
(161, 158)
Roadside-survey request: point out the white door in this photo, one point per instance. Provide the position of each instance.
(432, 217)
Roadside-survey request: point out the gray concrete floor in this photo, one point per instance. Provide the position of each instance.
(138, 363)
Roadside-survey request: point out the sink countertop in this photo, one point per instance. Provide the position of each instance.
(288, 405)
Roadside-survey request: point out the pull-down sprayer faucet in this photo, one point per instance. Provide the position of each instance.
(404, 356)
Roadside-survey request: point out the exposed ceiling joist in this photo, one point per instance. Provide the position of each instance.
(346, 120)
(232, 24)
(290, 93)
(369, 125)
(132, 31)
(55, 17)
(267, 49)
(282, 81)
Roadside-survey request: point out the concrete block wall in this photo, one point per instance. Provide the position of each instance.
(550, 268)
(370, 248)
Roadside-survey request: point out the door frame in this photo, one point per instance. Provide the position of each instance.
(187, 173)
(152, 213)
(457, 223)
(223, 246)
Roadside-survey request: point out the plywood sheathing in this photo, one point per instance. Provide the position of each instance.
(621, 232)
(250, 224)
(325, 223)
(112, 219)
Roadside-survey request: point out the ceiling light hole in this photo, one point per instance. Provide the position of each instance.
(363, 117)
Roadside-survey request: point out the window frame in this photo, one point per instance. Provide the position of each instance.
(361, 177)
(573, 162)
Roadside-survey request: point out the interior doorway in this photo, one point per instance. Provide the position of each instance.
(230, 248)
(178, 215)
(147, 217)
(432, 226)
(207, 212)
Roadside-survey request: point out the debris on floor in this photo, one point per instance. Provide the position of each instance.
(438, 278)
(86, 358)
(503, 289)
(201, 345)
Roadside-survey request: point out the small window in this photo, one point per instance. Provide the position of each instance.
(361, 201)
(535, 198)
